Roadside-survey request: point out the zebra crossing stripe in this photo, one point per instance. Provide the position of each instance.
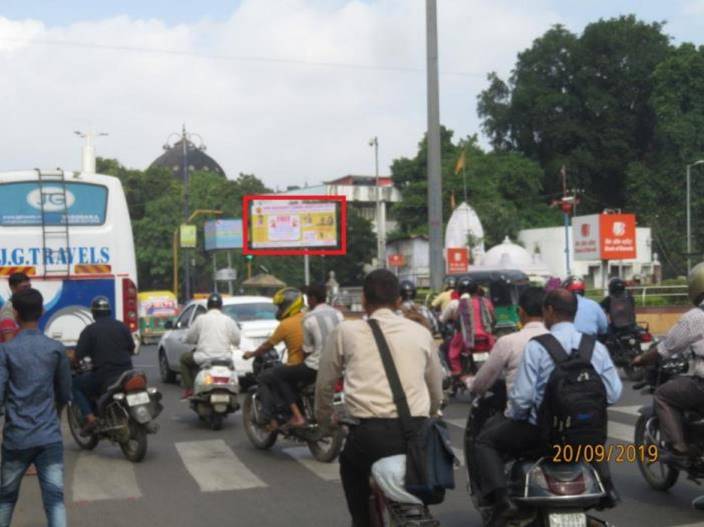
(325, 471)
(97, 476)
(215, 467)
(627, 410)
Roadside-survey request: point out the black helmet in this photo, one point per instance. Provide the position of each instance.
(407, 290)
(616, 285)
(100, 307)
(214, 301)
(465, 285)
(450, 282)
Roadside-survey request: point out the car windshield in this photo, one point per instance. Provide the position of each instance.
(251, 311)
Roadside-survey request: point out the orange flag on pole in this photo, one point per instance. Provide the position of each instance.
(460, 163)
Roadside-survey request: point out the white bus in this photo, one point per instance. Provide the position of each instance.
(71, 233)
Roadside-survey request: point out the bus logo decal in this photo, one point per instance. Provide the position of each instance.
(54, 198)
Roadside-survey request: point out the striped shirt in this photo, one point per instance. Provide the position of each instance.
(317, 325)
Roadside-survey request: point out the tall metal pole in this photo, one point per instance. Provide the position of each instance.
(567, 243)
(379, 217)
(186, 214)
(306, 269)
(689, 220)
(433, 139)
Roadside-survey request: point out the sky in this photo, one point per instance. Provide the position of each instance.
(289, 90)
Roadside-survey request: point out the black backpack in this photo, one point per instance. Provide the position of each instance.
(573, 411)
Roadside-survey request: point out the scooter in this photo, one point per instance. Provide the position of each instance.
(625, 345)
(390, 504)
(215, 392)
(545, 493)
(125, 412)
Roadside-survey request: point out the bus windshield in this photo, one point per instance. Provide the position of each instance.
(250, 311)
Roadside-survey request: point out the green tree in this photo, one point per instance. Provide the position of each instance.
(584, 102)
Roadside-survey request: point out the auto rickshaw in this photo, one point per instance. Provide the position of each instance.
(503, 288)
(155, 309)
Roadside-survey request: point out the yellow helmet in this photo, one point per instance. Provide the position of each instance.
(695, 283)
(289, 300)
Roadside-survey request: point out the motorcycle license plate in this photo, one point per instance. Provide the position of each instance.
(571, 519)
(135, 399)
(219, 398)
(480, 357)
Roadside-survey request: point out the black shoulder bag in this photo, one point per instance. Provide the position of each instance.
(429, 457)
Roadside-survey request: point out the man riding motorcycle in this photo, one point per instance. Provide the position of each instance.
(440, 302)
(290, 331)
(212, 333)
(620, 306)
(109, 344)
(686, 392)
(416, 312)
(590, 318)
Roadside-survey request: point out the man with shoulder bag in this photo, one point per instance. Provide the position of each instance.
(385, 354)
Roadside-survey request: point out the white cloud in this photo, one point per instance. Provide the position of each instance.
(286, 122)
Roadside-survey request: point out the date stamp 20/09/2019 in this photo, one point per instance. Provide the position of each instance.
(618, 453)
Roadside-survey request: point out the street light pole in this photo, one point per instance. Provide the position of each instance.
(185, 138)
(434, 159)
(380, 216)
(689, 212)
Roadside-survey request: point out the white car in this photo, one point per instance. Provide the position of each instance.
(255, 316)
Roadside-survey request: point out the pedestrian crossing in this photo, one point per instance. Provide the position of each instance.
(216, 466)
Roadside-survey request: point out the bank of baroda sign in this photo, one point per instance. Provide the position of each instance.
(604, 237)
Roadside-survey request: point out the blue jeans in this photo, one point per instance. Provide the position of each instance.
(85, 387)
(49, 461)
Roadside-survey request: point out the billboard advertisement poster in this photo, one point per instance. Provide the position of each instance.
(618, 236)
(223, 234)
(290, 225)
(585, 233)
(188, 236)
(604, 237)
(457, 260)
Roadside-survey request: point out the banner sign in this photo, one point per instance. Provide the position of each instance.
(396, 260)
(57, 203)
(604, 237)
(457, 259)
(188, 236)
(223, 234)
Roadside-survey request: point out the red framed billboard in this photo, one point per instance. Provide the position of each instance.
(290, 225)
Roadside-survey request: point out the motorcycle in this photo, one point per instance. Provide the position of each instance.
(215, 392)
(662, 476)
(125, 413)
(625, 345)
(390, 504)
(323, 447)
(545, 493)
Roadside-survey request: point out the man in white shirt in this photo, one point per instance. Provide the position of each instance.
(351, 351)
(213, 334)
(506, 354)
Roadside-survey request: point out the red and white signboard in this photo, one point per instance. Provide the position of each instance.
(457, 260)
(395, 260)
(604, 237)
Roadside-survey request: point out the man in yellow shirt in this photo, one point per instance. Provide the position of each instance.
(441, 301)
(289, 331)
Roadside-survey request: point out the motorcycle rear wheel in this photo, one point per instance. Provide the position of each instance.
(135, 448)
(664, 477)
(327, 448)
(259, 437)
(633, 373)
(216, 421)
(75, 418)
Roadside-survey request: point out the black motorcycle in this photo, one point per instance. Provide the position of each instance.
(259, 408)
(648, 437)
(545, 493)
(126, 414)
(624, 345)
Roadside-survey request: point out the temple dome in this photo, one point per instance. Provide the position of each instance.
(508, 255)
(198, 160)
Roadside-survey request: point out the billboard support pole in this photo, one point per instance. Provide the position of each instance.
(604, 277)
(306, 269)
(215, 270)
(230, 285)
(567, 244)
